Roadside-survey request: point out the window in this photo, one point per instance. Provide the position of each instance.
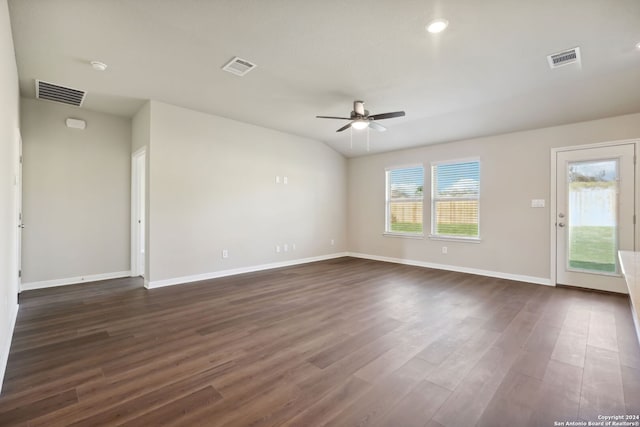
(404, 200)
(455, 199)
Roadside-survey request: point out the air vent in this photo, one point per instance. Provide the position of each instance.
(566, 57)
(65, 95)
(239, 66)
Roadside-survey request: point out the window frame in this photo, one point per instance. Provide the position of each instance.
(433, 235)
(387, 203)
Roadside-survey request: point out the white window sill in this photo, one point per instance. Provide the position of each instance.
(404, 235)
(455, 239)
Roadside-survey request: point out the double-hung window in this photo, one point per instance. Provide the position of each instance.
(455, 199)
(404, 201)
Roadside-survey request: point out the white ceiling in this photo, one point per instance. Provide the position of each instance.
(486, 74)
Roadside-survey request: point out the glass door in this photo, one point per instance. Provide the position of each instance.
(595, 215)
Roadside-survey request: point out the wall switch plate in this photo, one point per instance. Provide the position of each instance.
(285, 180)
(285, 246)
(537, 203)
(277, 249)
(444, 249)
(333, 242)
(277, 179)
(293, 246)
(225, 253)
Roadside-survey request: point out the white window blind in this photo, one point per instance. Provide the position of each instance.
(404, 200)
(455, 199)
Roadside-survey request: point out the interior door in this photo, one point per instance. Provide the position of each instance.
(138, 162)
(18, 196)
(594, 215)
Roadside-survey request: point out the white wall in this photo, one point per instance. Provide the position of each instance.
(76, 203)
(212, 187)
(515, 168)
(9, 134)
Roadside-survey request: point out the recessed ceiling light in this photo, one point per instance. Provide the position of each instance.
(98, 66)
(437, 26)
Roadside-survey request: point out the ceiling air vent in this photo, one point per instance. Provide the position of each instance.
(565, 57)
(239, 66)
(65, 95)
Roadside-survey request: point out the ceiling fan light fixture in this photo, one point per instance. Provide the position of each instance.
(360, 124)
(437, 26)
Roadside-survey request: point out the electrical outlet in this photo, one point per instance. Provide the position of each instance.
(225, 253)
(285, 180)
(444, 249)
(277, 249)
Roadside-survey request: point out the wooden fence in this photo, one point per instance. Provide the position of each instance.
(448, 212)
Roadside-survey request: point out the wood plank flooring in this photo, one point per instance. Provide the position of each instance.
(346, 342)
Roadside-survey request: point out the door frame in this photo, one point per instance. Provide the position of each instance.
(19, 220)
(136, 199)
(553, 195)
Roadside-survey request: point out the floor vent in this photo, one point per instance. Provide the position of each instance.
(239, 66)
(565, 57)
(56, 93)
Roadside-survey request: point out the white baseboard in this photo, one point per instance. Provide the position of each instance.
(233, 272)
(4, 357)
(73, 280)
(488, 273)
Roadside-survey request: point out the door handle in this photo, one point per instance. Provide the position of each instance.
(561, 224)
(20, 225)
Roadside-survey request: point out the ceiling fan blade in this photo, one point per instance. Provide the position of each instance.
(376, 126)
(345, 127)
(332, 117)
(387, 115)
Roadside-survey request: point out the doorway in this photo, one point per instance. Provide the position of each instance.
(594, 214)
(138, 195)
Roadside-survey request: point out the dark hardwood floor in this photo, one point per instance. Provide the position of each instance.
(346, 342)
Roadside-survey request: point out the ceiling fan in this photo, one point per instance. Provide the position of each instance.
(360, 118)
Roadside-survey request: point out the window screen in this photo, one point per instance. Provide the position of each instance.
(455, 199)
(404, 201)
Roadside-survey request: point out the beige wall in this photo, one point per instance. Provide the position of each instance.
(212, 187)
(9, 134)
(76, 203)
(140, 128)
(515, 168)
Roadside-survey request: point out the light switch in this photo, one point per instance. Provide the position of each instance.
(537, 203)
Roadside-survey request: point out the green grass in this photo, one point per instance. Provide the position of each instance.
(463, 230)
(593, 248)
(406, 227)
